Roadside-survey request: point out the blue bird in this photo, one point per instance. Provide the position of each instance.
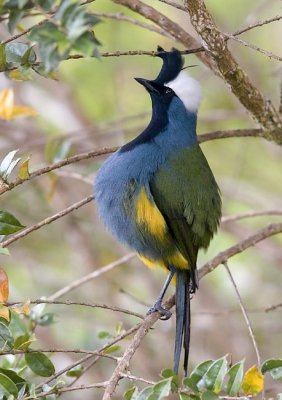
(158, 195)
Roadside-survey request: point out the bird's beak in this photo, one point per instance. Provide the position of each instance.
(147, 84)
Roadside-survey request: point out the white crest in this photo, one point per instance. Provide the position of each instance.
(188, 90)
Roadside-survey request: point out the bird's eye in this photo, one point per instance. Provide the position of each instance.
(168, 91)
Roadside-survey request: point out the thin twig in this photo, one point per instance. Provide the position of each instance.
(244, 312)
(76, 303)
(222, 257)
(68, 389)
(273, 308)
(257, 24)
(137, 378)
(250, 214)
(121, 17)
(46, 221)
(89, 277)
(254, 47)
(74, 351)
(26, 31)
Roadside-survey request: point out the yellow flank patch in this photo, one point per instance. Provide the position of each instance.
(150, 263)
(178, 261)
(147, 213)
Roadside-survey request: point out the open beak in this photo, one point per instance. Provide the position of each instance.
(147, 84)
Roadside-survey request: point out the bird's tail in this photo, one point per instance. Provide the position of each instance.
(183, 318)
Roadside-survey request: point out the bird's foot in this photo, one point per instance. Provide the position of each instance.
(157, 307)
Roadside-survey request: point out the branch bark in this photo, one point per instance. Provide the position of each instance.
(215, 43)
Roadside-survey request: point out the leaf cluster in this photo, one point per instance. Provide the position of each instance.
(209, 380)
(61, 30)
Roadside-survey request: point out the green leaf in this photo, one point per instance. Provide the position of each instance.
(6, 338)
(131, 393)
(4, 251)
(23, 341)
(209, 395)
(185, 396)
(14, 17)
(213, 378)
(75, 372)
(112, 349)
(18, 380)
(104, 335)
(169, 373)
(271, 364)
(8, 223)
(46, 4)
(196, 375)
(40, 364)
(235, 374)
(7, 386)
(161, 389)
(16, 52)
(3, 64)
(29, 57)
(145, 393)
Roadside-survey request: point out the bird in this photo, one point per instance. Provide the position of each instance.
(158, 195)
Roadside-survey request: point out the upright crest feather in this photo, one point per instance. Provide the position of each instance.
(172, 65)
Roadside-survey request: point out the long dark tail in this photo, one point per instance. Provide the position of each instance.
(183, 318)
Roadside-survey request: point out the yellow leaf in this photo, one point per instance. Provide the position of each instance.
(6, 104)
(5, 312)
(23, 309)
(253, 381)
(24, 172)
(8, 110)
(4, 286)
(19, 111)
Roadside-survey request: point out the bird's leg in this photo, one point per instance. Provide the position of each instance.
(157, 306)
(194, 281)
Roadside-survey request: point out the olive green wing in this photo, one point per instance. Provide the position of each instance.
(187, 195)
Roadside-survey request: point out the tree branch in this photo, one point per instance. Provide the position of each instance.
(257, 24)
(75, 303)
(107, 150)
(241, 86)
(270, 230)
(46, 221)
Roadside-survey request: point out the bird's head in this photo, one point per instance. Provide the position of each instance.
(172, 82)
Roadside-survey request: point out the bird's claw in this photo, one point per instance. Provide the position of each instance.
(157, 307)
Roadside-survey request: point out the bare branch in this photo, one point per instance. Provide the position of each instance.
(122, 17)
(249, 214)
(257, 24)
(75, 303)
(46, 221)
(244, 312)
(74, 351)
(273, 308)
(91, 276)
(252, 46)
(270, 230)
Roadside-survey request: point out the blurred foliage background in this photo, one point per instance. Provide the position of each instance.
(96, 103)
